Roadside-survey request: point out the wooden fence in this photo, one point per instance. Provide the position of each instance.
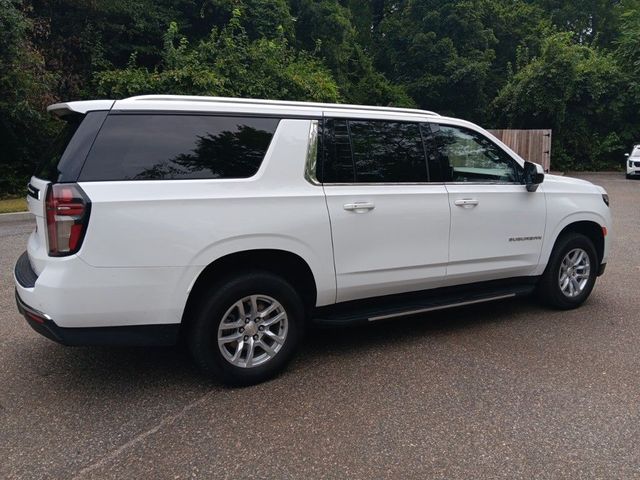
(532, 145)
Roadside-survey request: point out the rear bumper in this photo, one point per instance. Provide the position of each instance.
(48, 304)
(136, 335)
(77, 295)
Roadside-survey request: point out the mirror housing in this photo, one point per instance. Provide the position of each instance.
(533, 176)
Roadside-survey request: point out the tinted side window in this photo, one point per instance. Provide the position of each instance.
(66, 155)
(159, 147)
(373, 151)
(461, 155)
(337, 164)
(387, 151)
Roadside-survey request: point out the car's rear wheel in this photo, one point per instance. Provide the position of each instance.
(247, 328)
(571, 272)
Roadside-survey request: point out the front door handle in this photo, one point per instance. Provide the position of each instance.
(466, 202)
(359, 207)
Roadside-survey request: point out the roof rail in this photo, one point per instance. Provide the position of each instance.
(284, 103)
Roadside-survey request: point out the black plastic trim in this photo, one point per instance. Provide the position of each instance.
(125, 336)
(24, 273)
(33, 192)
(602, 268)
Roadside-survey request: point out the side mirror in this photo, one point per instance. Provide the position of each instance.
(533, 176)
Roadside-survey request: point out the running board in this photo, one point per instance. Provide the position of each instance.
(395, 306)
(440, 307)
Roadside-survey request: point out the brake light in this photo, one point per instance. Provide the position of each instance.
(67, 209)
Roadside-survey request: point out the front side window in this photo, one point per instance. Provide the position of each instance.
(165, 147)
(372, 151)
(458, 154)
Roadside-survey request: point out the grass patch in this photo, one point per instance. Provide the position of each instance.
(10, 205)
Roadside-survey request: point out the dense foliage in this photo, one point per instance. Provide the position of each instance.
(570, 66)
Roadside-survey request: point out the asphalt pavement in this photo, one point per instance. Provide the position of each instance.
(506, 390)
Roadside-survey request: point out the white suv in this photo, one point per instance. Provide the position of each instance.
(235, 223)
(633, 162)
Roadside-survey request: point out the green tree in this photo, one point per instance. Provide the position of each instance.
(577, 91)
(442, 52)
(326, 27)
(24, 94)
(588, 20)
(269, 68)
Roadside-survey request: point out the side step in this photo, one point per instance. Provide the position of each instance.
(394, 306)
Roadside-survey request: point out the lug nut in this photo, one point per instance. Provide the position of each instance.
(241, 329)
(261, 328)
(247, 320)
(255, 337)
(246, 337)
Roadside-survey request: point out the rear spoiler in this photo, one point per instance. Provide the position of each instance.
(81, 107)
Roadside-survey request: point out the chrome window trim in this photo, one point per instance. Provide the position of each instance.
(484, 183)
(311, 161)
(370, 184)
(374, 184)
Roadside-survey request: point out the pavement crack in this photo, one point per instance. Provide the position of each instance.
(168, 420)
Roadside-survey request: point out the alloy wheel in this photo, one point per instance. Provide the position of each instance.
(252, 331)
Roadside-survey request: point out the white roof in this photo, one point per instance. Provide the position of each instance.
(225, 104)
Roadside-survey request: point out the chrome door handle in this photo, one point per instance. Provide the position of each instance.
(359, 206)
(466, 202)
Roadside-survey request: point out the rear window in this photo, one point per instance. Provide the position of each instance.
(163, 147)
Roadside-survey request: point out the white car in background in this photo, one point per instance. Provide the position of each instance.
(633, 162)
(233, 223)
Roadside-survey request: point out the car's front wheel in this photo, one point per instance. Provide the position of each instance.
(247, 328)
(571, 272)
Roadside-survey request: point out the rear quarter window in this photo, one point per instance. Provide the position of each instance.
(67, 153)
(165, 147)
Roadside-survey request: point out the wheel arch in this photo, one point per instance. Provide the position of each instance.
(286, 264)
(590, 229)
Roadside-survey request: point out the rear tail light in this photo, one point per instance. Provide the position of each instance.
(68, 210)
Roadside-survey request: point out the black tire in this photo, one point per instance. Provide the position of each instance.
(203, 330)
(549, 291)
(628, 177)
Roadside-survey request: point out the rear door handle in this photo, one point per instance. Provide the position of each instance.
(359, 207)
(466, 202)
